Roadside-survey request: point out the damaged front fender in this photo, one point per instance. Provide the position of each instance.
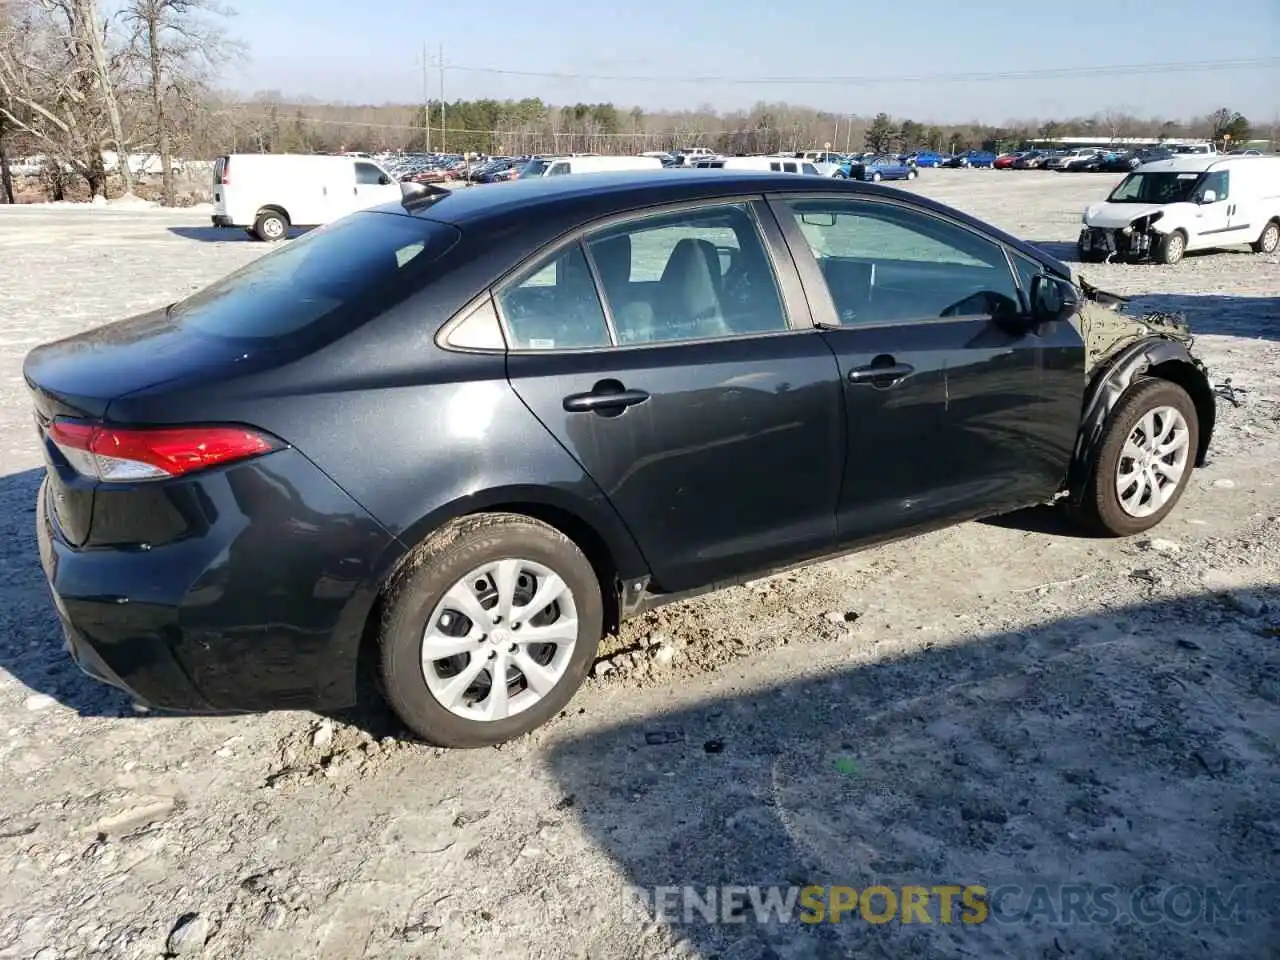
(1120, 349)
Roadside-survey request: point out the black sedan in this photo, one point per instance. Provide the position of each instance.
(479, 429)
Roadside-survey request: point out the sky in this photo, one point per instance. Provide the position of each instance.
(853, 55)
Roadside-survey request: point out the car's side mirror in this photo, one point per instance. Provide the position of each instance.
(1209, 196)
(1053, 298)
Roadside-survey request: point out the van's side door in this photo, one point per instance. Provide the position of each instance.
(1212, 221)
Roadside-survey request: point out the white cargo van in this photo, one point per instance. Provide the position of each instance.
(563, 165)
(1164, 209)
(267, 193)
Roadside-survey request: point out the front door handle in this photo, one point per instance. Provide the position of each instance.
(604, 400)
(881, 374)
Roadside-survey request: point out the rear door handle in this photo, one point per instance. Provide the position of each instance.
(880, 373)
(602, 400)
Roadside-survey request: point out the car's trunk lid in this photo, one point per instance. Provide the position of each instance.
(79, 378)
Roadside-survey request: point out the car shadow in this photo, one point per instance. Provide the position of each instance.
(224, 234)
(1058, 249)
(31, 641)
(1045, 757)
(1051, 520)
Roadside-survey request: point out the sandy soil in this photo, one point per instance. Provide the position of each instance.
(1003, 704)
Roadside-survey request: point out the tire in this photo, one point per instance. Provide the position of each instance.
(1171, 248)
(840, 175)
(911, 175)
(271, 226)
(875, 178)
(1101, 508)
(451, 560)
(1269, 240)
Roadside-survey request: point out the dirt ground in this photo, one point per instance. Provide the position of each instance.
(1003, 704)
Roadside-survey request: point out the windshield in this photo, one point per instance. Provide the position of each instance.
(1155, 188)
(330, 280)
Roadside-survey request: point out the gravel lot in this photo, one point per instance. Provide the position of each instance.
(1003, 703)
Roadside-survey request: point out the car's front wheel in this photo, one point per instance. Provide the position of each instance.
(875, 177)
(1171, 248)
(489, 630)
(1144, 462)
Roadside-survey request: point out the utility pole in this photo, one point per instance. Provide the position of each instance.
(426, 100)
(443, 135)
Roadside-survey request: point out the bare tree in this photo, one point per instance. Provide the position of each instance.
(86, 29)
(6, 177)
(54, 88)
(181, 42)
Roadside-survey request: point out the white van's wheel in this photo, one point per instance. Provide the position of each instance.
(271, 225)
(1270, 239)
(1171, 249)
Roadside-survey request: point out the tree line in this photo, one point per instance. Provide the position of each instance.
(75, 82)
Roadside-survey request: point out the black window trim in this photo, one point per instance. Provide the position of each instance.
(796, 309)
(815, 284)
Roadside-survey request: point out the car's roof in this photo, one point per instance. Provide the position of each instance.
(1185, 163)
(589, 196)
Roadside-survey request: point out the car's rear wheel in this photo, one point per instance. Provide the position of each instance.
(1270, 239)
(1171, 248)
(489, 630)
(911, 174)
(271, 225)
(1144, 462)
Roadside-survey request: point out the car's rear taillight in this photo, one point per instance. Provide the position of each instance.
(124, 454)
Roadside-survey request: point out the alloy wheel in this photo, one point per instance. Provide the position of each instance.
(1152, 461)
(499, 640)
(1271, 238)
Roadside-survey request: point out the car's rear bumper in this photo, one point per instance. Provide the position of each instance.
(259, 602)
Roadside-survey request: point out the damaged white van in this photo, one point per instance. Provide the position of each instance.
(1166, 208)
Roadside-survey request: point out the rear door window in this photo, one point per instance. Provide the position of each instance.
(554, 305)
(329, 280)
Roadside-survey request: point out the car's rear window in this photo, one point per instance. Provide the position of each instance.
(331, 279)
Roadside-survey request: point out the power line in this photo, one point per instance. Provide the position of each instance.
(1055, 73)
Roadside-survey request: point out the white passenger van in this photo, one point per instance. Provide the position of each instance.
(564, 165)
(776, 164)
(1188, 202)
(267, 193)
